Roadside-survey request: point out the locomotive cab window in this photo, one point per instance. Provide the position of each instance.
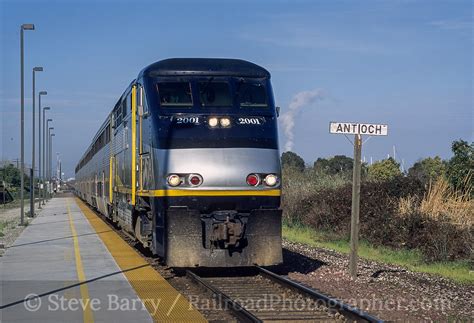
(175, 94)
(214, 94)
(251, 95)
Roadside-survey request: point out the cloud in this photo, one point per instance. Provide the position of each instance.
(299, 101)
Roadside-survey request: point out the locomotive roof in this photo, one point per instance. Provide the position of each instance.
(205, 67)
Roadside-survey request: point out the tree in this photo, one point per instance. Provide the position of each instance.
(384, 170)
(291, 160)
(334, 165)
(428, 169)
(460, 168)
(11, 175)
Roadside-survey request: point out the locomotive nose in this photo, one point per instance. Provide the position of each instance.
(226, 169)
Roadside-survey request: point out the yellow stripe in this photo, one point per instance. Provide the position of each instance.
(161, 193)
(149, 285)
(88, 317)
(134, 142)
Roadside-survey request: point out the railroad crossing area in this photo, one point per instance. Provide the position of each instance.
(70, 266)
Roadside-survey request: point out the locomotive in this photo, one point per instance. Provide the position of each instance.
(187, 163)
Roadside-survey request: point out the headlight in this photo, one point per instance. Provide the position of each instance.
(225, 122)
(174, 180)
(270, 180)
(212, 122)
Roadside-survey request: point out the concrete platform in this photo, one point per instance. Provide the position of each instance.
(62, 269)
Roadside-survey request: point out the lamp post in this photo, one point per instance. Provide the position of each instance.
(32, 179)
(49, 153)
(51, 135)
(46, 156)
(22, 121)
(39, 143)
(42, 154)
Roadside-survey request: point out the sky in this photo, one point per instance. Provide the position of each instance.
(406, 63)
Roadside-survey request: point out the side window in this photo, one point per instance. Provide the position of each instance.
(107, 134)
(141, 99)
(118, 114)
(124, 108)
(127, 105)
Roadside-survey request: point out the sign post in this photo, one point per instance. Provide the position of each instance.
(356, 129)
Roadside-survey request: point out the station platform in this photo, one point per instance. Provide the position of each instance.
(70, 266)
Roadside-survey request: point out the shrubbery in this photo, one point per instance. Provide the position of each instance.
(426, 209)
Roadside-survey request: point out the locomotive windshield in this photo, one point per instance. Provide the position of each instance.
(175, 94)
(202, 94)
(251, 94)
(213, 112)
(214, 94)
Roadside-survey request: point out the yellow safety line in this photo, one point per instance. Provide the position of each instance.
(134, 143)
(162, 193)
(162, 301)
(88, 317)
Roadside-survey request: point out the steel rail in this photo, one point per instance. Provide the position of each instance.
(347, 310)
(238, 310)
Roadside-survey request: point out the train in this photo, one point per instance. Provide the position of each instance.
(187, 164)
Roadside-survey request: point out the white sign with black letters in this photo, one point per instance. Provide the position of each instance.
(352, 128)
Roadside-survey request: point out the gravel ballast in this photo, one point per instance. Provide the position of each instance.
(389, 292)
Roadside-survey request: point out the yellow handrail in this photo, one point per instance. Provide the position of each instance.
(134, 143)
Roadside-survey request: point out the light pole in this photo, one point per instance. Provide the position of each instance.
(43, 155)
(49, 153)
(39, 143)
(51, 135)
(46, 155)
(32, 179)
(22, 122)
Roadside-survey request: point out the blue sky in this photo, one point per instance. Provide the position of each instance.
(404, 63)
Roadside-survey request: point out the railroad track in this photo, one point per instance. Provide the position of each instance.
(260, 295)
(251, 294)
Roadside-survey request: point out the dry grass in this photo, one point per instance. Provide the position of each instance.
(448, 220)
(441, 202)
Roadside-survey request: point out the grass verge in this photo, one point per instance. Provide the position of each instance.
(458, 271)
(3, 226)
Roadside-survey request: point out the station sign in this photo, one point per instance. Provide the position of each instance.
(352, 128)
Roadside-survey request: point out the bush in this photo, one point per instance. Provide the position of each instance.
(384, 170)
(428, 170)
(300, 186)
(400, 213)
(291, 160)
(460, 167)
(330, 209)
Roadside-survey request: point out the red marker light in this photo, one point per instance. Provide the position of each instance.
(195, 180)
(253, 180)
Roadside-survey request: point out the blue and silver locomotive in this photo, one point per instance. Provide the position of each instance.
(187, 163)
